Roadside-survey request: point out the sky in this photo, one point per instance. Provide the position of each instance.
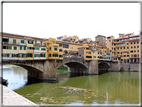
(86, 20)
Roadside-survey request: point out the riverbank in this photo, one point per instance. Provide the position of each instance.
(10, 98)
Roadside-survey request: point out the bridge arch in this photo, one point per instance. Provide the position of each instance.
(32, 71)
(75, 67)
(103, 67)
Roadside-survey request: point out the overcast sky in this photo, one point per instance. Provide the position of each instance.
(85, 20)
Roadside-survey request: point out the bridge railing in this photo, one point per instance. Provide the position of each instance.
(73, 59)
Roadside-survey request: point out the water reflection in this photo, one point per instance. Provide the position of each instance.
(16, 76)
(74, 89)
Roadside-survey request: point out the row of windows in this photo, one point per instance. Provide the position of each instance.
(14, 40)
(39, 55)
(23, 55)
(53, 55)
(14, 47)
(21, 48)
(127, 47)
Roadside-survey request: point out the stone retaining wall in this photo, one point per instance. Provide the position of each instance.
(131, 66)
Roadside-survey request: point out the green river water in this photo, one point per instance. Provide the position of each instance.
(109, 88)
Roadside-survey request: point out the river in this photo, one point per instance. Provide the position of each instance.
(108, 88)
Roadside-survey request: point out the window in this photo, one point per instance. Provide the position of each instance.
(36, 48)
(94, 56)
(127, 47)
(14, 41)
(30, 42)
(50, 48)
(127, 55)
(131, 47)
(43, 49)
(60, 45)
(20, 47)
(117, 52)
(22, 41)
(15, 47)
(137, 50)
(120, 44)
(60, 50)
(118, 48)
(87, 48)
(55, 49)
(134, 42)
(127, 43)
(42, 55)
(5, 39)
(49, 55)
(65, 46)
(137, 42)
(134, 50)
(121, 48)
(88, 52)
(134, 46)
(131, 42)
(137, 46)
(60, 56)
(30, 48)
(7, 47)
(30, 55)
(4, 47)
(88, 56)
(124, 47)
(15, 55)
(20, 55)
(24, 47)
(124, 55)
(131, 51)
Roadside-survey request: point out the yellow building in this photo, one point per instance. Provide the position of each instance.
(68, 49)
(85, 52)
(30, 49)
(126, 48)
(52, 49)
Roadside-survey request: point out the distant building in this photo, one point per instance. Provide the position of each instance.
(72, 39)
(101, 40)
(84, 40)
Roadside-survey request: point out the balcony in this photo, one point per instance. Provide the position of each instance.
(5, 42)
(38, 44)
(23, 44)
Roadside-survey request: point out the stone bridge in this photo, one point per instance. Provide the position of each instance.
(46, 69)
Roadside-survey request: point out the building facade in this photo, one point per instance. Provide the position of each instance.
(126, 48)
(101, 40)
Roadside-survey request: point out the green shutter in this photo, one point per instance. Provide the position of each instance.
(15, 47)
(44, 55)
(14, 41)
(38, 55)
(2, 54)
(24, 47)
(22, 41)
(7, 55)
(26, 55)
(18, 55)
(20, 47)
(34, 55)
